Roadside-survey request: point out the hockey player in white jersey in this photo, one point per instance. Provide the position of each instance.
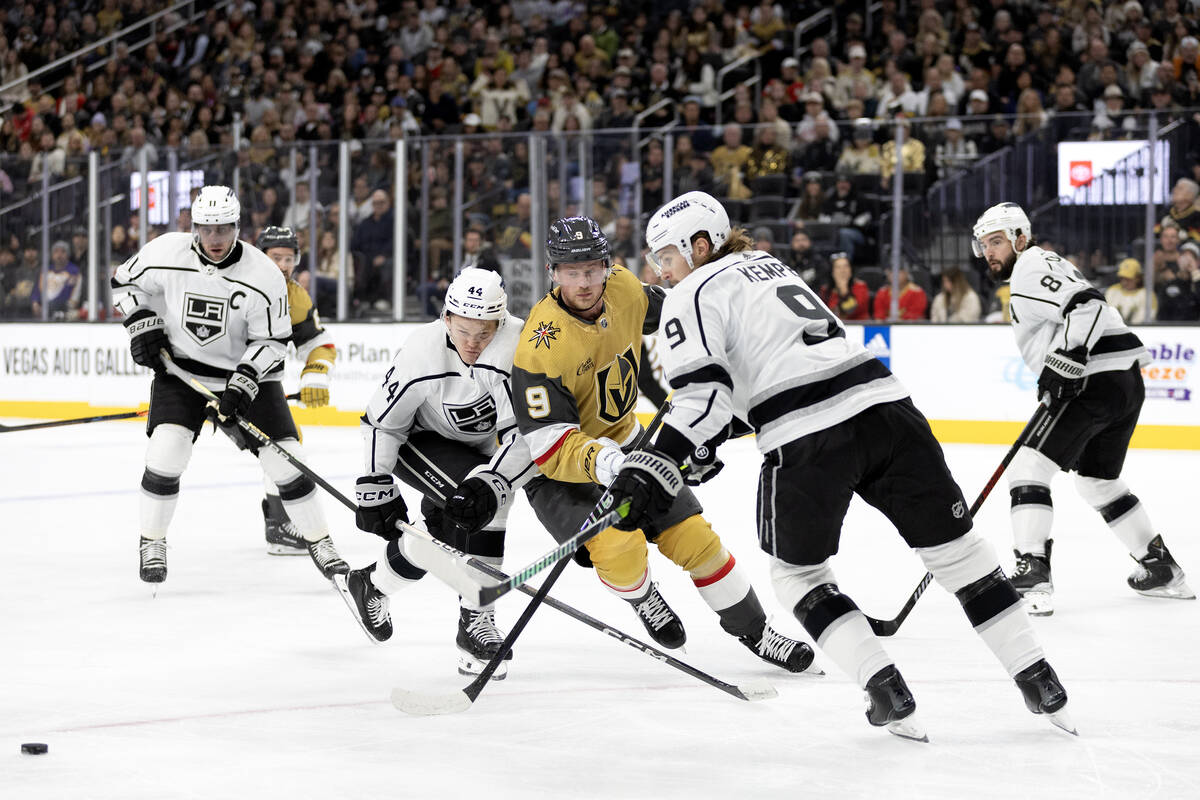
(1089, 372)
(219, 308)
(442, 421)
(745, 338)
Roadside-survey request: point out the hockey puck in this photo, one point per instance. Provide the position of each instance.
(35, 748)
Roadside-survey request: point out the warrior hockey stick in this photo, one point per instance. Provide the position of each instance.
(1035, 428)
(416, 703)
(82, 420)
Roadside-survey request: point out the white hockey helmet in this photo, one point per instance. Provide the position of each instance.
(216, 205)
(1007, 217)
(477, 294)
(677, 222)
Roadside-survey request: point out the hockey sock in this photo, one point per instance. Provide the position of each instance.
(296, 490)
(968, 567)
(494, 561)
(830, 617)
(167, 456)
(394, 572)
(1032, 517)
(1121, 509)
(729, 593)
(635, 592)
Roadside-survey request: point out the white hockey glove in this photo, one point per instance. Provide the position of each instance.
(314, 383)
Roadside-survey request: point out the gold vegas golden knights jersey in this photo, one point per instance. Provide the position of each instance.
(576, 381)
(311, 340)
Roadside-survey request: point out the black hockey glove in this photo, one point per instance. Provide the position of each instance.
(701, 466)
(229, 426)
(239, 393)
(476, 501)
(380, 506)
(147, 336)
(650, 482)
(1062, 375)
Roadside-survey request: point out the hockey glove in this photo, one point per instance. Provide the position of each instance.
(380, 506)
(229, 426)
(701, 466)
(147, 336)
(240, 391)
(1062, 375)
(476, 501)
(650, 482)
(314, 384)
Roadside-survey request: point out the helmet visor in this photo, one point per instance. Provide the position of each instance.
(216, 240)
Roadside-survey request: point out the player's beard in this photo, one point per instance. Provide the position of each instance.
(1006, 268)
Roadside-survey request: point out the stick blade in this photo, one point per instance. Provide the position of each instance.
(444, 563)
(424, 704)
(757, 690)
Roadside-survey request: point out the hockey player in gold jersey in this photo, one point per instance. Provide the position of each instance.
(315, 346)
(575, 377)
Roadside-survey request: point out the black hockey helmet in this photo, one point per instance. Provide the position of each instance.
(275, 236)
(576, 240)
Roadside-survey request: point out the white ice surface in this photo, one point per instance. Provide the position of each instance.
(246, 677)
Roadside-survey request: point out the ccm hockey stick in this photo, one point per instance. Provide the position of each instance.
(1035, 428)
(58, 423)
(422, 703)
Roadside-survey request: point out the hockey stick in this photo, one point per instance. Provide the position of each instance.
(417, 703)
(82, 420)
(1033, 428)
(424, 703)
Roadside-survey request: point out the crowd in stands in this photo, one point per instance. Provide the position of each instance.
(807, 153)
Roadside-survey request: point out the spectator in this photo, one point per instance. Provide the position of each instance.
(862, 156)
(1166, 254)
(1128, 294)
(60, 284)
(845, 295)
(372, 241)
(912, 154)
(957, 301)
(728, 162)
(854, 72)
(432, 293)
(807, 263)
(999, 135)
(824, 151)
(913, 302)
(1140, 69)
(842, 208)
(1031, 116)
(764, 239)
(898, 96)
(1179, 290)
(954, 152)
(812, 200)
(1183, 211)
(18, 280)
(515, 238)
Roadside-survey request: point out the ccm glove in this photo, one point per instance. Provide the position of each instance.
(650, 482)
(147, 336)
(1062, 374)
(380, 506)
(476, 501)
(314, 384)
(702, 465)
(240, 391)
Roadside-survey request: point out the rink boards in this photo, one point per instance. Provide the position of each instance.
(969, 380)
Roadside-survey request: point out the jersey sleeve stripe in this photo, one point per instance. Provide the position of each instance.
(546, 456)
(1081, 297)
(712, 398)
(710, 373)
(1116, 344)
(805, 395)
(1039, 299)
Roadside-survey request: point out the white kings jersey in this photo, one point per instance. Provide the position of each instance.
(745, 336)
(429, 388)
(215, 317)
(1054, 307)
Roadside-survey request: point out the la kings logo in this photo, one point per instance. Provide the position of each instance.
(204, 317)
(616, 387)
(475, 417)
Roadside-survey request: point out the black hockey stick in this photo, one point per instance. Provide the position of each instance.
(1034, 428)
(82, 420)
(423, 703)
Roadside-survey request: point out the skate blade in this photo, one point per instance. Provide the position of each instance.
(1177, 589)
(468, 665)
(908, 728)
(1038, 604)
(285, 550)
(1061, 719)
(339, 585)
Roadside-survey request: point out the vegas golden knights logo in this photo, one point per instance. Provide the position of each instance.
(617, 386)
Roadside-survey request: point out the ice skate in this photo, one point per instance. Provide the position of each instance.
(478, 642)
(890, 704)
(661, 622)
(369, 605)
(1157, 574)
(775, 648)
(1031, 578)
(326, 557)
(152, 554)
(282, 537)
(1044, 694)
